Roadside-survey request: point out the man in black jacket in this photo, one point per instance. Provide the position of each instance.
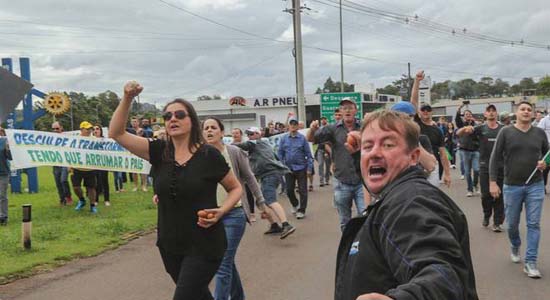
(412, 242)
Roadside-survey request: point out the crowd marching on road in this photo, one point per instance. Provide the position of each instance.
(405, 238)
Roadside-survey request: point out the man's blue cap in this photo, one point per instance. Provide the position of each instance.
(404, 107)
(292, 119)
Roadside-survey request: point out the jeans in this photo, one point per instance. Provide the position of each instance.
(191, 274)
(514, 198)
(471, 161)
(61, 177)
(433, 177)
(462, 171)
(489, 203)
(119, 179)
(301, 177)
(228, 281)
(4, 197)
(324, 166)
(269, 185)
(344, 197)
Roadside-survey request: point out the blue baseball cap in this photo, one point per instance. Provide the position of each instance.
(404, 107)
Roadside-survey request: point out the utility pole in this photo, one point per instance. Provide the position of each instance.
(341, 53)
(409, 85)
(296, 11)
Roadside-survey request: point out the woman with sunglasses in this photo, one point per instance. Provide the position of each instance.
(102, 176)
(186, 173)
(228, 281)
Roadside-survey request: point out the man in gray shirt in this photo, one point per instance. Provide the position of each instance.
(519, 149)
(347, 183)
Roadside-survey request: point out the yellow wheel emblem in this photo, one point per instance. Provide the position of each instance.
(56, 103)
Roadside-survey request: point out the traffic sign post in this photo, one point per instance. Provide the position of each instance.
(331, 101)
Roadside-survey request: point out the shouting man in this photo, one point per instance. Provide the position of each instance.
(412, 242)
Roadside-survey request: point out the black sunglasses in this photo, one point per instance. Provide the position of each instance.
(179, 114)
(428, 109)
(56, 128)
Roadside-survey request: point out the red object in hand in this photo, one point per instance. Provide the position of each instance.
(352, 139)
(210, 216)
(202, 214)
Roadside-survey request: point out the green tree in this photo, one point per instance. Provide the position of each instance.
(388, 89)
(543, 86)
(465, 88)
(499, 88)
(331, 86)
(527, 83)
(440, 90)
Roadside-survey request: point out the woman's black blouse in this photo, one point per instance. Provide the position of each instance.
(182, 191)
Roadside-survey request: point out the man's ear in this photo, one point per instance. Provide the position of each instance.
(414, 155)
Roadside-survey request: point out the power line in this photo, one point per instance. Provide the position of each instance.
(61, 51)
(433, 26)
(443, 69)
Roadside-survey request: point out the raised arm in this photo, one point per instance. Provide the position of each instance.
(311, 132)
(458, 118)
(117, 128)
(416, 86)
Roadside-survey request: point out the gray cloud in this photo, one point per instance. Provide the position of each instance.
(98, 45)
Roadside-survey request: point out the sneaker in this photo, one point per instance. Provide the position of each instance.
(274, 228)
(531, 270)
(461, 177)
(293, 209)
(134, 189)
(497, 228)
(485, 222)
(69, 200)
(144, 189)
(80, 205)
(107, 203)
(321, 185)
(469, 194)
(476, 190)
(3, 222)
(93, 209)
(310, 188)
(453, 166)
(515, 256)
(252, 218)
(287, 230)
(300, 215)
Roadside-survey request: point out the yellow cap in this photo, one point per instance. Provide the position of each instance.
(86, 125)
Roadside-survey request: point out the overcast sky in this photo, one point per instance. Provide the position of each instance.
(93, 46)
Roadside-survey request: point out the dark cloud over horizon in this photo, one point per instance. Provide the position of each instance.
(96, 46)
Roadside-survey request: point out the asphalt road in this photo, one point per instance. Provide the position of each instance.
(298, 268)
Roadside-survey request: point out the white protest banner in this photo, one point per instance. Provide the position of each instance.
(39, 148)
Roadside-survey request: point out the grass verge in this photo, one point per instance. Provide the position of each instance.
(60, 234)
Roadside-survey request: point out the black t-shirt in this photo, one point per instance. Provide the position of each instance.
(487, 138)
(183, 190)
(434, 135)
(425, 143)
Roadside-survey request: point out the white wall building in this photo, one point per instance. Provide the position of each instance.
(259, 111)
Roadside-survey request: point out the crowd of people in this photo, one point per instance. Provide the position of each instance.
(406, 237)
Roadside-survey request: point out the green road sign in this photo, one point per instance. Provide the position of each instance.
(331, 101)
